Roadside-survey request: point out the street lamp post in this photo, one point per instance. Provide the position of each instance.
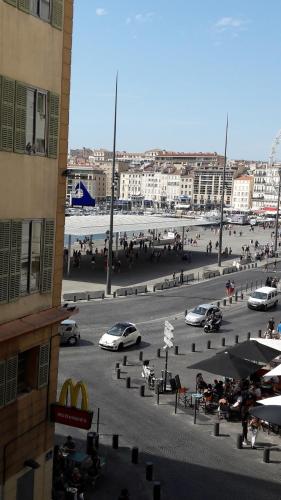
(277, 212)
(222, 196)
(110, 242)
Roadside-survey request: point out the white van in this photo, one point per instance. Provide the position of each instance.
(263, 298)
(69, 332)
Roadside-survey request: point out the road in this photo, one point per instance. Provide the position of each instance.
(188, 460)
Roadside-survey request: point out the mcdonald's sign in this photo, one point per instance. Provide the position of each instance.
(66, 412)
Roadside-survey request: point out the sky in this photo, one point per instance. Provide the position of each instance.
(182, 66)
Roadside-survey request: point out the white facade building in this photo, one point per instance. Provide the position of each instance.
(156, 186)
(242, 192)
(265, 191)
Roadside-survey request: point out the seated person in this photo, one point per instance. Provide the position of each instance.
(218, 388)
(208, 394)
(200, 382)
(69, 445)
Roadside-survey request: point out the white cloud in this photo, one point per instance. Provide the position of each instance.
(101, 12)
(229, 22)
(143, 18)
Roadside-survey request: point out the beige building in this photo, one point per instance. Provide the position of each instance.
(156, 186)
(35, 58)
(242, 192)
(93, 179)
(106, 168)
(101, 155)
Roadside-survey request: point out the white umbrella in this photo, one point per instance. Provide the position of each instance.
(274, 343)
(275, 401)
(275, 372)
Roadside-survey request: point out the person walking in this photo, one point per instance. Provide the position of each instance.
(181, 277)
(245, 423)
(254, 426)
(227, 287)
(231, 288)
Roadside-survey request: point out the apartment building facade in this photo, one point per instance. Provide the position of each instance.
(207, 186)
(93, 179)
(35, 58)
(242, 192)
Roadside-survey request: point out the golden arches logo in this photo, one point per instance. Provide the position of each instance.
(70, 392)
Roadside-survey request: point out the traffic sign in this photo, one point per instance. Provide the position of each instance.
(169, 326)
(168, 342)
(168, 333)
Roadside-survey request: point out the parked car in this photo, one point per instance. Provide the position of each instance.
(119, 336)
(199, 314)
(69, 332)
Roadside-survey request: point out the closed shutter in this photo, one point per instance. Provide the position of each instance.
(15, 260)
(7, 114)
(24, 5)
(5, 243)
(2, 382)
(43, 365)
(11, 379)
(53, 124)
(47, 256)
(57, 13)
(11, 2)
(20, 118)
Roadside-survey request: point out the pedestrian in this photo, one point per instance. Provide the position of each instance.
(231, 288)
(174, 275)
(230, 251)
(227, 287)
(181, 277)
(124, 495)
(245, 423)
(254, 426)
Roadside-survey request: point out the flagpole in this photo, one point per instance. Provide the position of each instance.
(222, 194)
(110, 242)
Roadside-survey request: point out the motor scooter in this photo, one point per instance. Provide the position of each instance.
(212, 325)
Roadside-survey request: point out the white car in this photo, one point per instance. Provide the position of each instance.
(119, 336)
(199, 314)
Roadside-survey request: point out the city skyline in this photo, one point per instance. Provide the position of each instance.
(181, 69)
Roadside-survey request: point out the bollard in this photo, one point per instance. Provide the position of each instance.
(118, 373)
(135, 455)
(239, 441)
(223, 342)
(259, 334)
(176, 350)
(224, 302)
(157, 490)
(236, 339)
(230, 300)
(97, 441)
(90, 442)
(192, 347)
(124, 360)
(128, 382)
(251, 285)
(115, 441)
(236, 296)
(140, 355)
(218, 303)
(242, 296)
(185, 313)
(158, 353)
(246, 287)
(149, 471)
(216, 429)
(209, 344)
(142, 390)
(265, 457)
(117, 366)
(248, 335)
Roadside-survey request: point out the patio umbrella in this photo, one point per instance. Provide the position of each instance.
(275, 372)
(271, 414)
(253, 351)
(275, 401)
(227, 365)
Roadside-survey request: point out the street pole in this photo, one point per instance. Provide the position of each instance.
(166, 369)
(277, 212)
(222, 194)
(110, 243)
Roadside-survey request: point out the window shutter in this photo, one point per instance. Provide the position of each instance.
(5, 243)
(11, 2)
(15, 260)
(11, 379)
(53, 124)
(47, 256)
(7, 114)
(2, 382)
(20, 118)
(43, 365)
(57, 14)
(24, 5)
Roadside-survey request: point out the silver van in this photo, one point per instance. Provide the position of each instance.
(263, 298)
(69, 332)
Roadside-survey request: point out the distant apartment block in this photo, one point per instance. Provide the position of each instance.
(242, 192)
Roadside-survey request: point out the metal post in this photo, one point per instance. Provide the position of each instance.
(98, 421)
(109, 257)
(195, 411)
(149, 471)
(176, 401)
(116, 244)
(216, 429)
(115, 441)
(140, 355)
(166, 368)
(135, 455)
(222, 196)
(183, 237)
(266, 455)
(69, 255)
(277, 212)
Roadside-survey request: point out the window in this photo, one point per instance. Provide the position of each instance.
(35, 138)
(30, 256)
(41, 8)
(48, 10)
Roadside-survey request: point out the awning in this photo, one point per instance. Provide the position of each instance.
(86, 225)
(32, 322)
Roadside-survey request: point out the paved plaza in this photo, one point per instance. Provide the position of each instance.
(143, 270)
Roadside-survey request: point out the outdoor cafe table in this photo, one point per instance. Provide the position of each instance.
(77, 457)
(196, 396)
